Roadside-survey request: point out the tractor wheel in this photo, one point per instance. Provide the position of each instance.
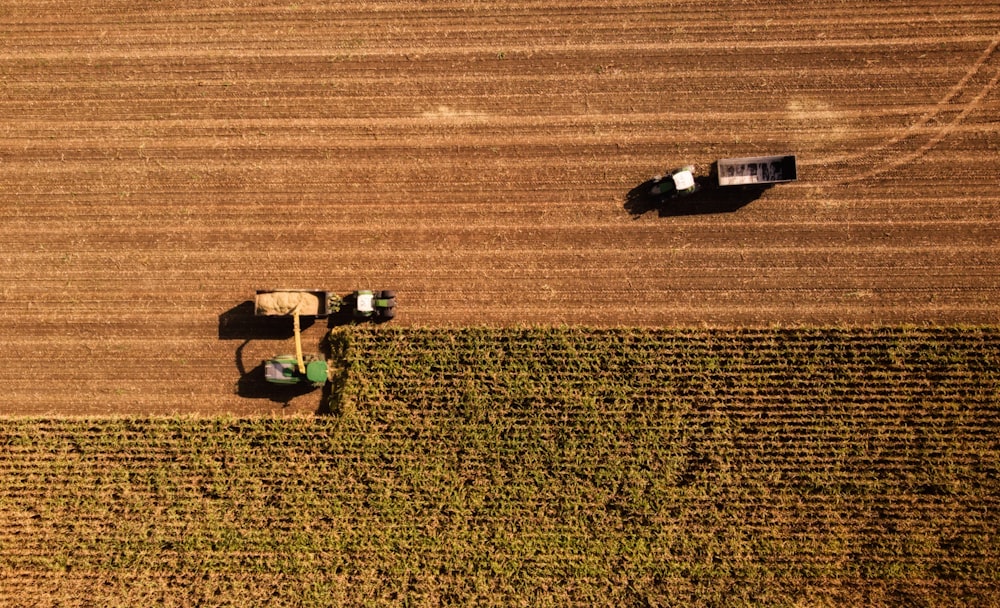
(388, 294)
(388, 313)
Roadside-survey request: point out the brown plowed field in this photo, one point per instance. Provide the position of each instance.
(159, 162)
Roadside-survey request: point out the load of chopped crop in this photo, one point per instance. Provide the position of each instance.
(285, 303)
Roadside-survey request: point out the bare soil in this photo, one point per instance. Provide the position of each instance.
(158, 164)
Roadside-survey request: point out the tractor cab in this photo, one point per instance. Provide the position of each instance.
(380, 306)
(365, 303)
(679, 182)
(284, 369)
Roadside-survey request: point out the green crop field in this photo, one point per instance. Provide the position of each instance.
(532, 467)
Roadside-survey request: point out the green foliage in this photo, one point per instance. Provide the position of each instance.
(541, 466)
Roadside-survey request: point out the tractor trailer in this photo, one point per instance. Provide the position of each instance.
(748, 171)
(756, 170)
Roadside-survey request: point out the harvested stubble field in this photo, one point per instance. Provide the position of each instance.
(540, 466)
(160, 162)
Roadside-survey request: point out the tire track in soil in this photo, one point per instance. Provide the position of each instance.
(879, 153)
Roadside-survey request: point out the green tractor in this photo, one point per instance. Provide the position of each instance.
(374, 306)
(679, 182)
(285, 369)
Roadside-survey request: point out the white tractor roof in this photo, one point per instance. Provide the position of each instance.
(683, 180)
(365, 302)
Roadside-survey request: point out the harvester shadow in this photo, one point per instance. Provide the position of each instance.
(252, 385)
(239, 323)
(708, 199)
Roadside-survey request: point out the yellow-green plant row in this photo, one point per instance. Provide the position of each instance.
(540, 466)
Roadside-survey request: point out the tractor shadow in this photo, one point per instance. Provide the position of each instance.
(708, 199)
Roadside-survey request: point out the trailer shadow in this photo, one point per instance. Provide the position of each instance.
(240, 323)
(710, 198)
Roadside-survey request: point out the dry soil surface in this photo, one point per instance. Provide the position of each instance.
(159, 162)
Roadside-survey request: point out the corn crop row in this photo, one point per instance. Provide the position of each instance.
(540, 466)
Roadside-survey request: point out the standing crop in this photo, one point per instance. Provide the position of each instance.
(540, 466)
